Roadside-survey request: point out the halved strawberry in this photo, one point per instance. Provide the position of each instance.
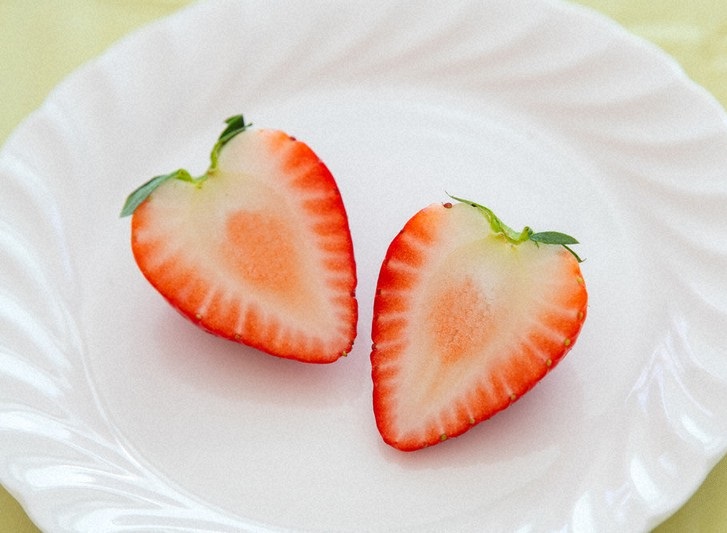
(257, 250)
(468, 316)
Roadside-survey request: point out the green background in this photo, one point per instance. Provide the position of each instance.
(41, 41)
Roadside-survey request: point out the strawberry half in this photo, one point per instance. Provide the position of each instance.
(468, 316)
(256, 250)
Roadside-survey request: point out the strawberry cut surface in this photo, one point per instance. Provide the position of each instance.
(466, 321)
(258, 250)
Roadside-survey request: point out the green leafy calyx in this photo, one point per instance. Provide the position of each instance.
(527, 234)
(235, 125)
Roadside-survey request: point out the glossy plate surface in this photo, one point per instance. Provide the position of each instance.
(116, 413)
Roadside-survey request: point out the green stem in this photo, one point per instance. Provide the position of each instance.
(497, 225)
(527, 234)
(235, 125)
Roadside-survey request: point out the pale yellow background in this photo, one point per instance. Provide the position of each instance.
(41, 41)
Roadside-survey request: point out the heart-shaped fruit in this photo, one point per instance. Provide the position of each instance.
(468, 316)
(257, 250)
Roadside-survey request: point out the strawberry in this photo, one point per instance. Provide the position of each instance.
(468, 316)
(256, 250)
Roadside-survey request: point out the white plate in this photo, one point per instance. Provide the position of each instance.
(116, 414)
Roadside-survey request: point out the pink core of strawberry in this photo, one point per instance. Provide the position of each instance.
(265, 257)
(458, 322)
